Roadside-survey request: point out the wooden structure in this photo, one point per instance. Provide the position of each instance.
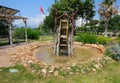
(9, 15)
(63, 34)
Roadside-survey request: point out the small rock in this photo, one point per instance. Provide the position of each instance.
(96, 66)
(33, 71)
(74, 64)
(56, 73)
(71, 73)
(88, 69)
(30, 62)
(82, 71)
(94, 69)
(100, 65)
(51, 71)
(44, 72)
(13, 70)
(52, 67)
(68, 68)
(77, 70)
(98, 59)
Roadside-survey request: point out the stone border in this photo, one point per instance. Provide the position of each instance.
(96, 46)
(24, 54)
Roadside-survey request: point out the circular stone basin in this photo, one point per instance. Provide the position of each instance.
(81, 54)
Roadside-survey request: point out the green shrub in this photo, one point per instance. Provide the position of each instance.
(110, 54)
(103, 40)
(118, 35)
(113, 51)
(86, 38)
(93, 39)
(33, 34)
(19, 33)
(118, 40)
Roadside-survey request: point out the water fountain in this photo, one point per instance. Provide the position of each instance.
(63, 44)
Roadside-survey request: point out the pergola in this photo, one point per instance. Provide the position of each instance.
(9, 15)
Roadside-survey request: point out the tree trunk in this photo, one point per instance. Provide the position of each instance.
(106, 27)
(82, 22)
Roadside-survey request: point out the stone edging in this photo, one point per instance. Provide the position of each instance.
(24, 53)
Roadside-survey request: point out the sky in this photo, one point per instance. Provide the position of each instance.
(31, 9)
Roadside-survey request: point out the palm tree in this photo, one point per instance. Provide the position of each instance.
(106, 11)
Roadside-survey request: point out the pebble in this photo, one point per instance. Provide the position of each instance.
(94, 69)
(44, 72)
(56, 73)
(82, 71)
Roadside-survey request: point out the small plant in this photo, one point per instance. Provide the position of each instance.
(33, 34)
(113, 51)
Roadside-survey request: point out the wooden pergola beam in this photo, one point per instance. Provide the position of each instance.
(9, 19)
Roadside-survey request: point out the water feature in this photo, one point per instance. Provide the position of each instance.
(81, 54)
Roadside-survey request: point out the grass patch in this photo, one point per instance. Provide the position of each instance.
(108, 74)
(18, 77)
(4, 41)
(44, 38)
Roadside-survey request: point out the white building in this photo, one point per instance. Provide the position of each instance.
(80, 22)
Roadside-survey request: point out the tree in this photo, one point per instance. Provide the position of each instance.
(48, 23)
(114, 24)
(84, 10)
(106, 11)
(3, 27)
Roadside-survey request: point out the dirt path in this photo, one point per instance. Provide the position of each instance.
(5, 54)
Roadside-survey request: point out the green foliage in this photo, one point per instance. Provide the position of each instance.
(114, 24)
(106, 11)
(87, 38)
(3, 27)
(85, 10)
(33, 33)
(103, 40)
(110, 54)
(118, 39)
(48, 24)
(94, 22)
(18, 77)
(113, 51)
(19, 33)
(93, 39)
(108, 74)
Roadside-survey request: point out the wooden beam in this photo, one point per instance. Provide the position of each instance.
(10, 31)
(25, 22)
